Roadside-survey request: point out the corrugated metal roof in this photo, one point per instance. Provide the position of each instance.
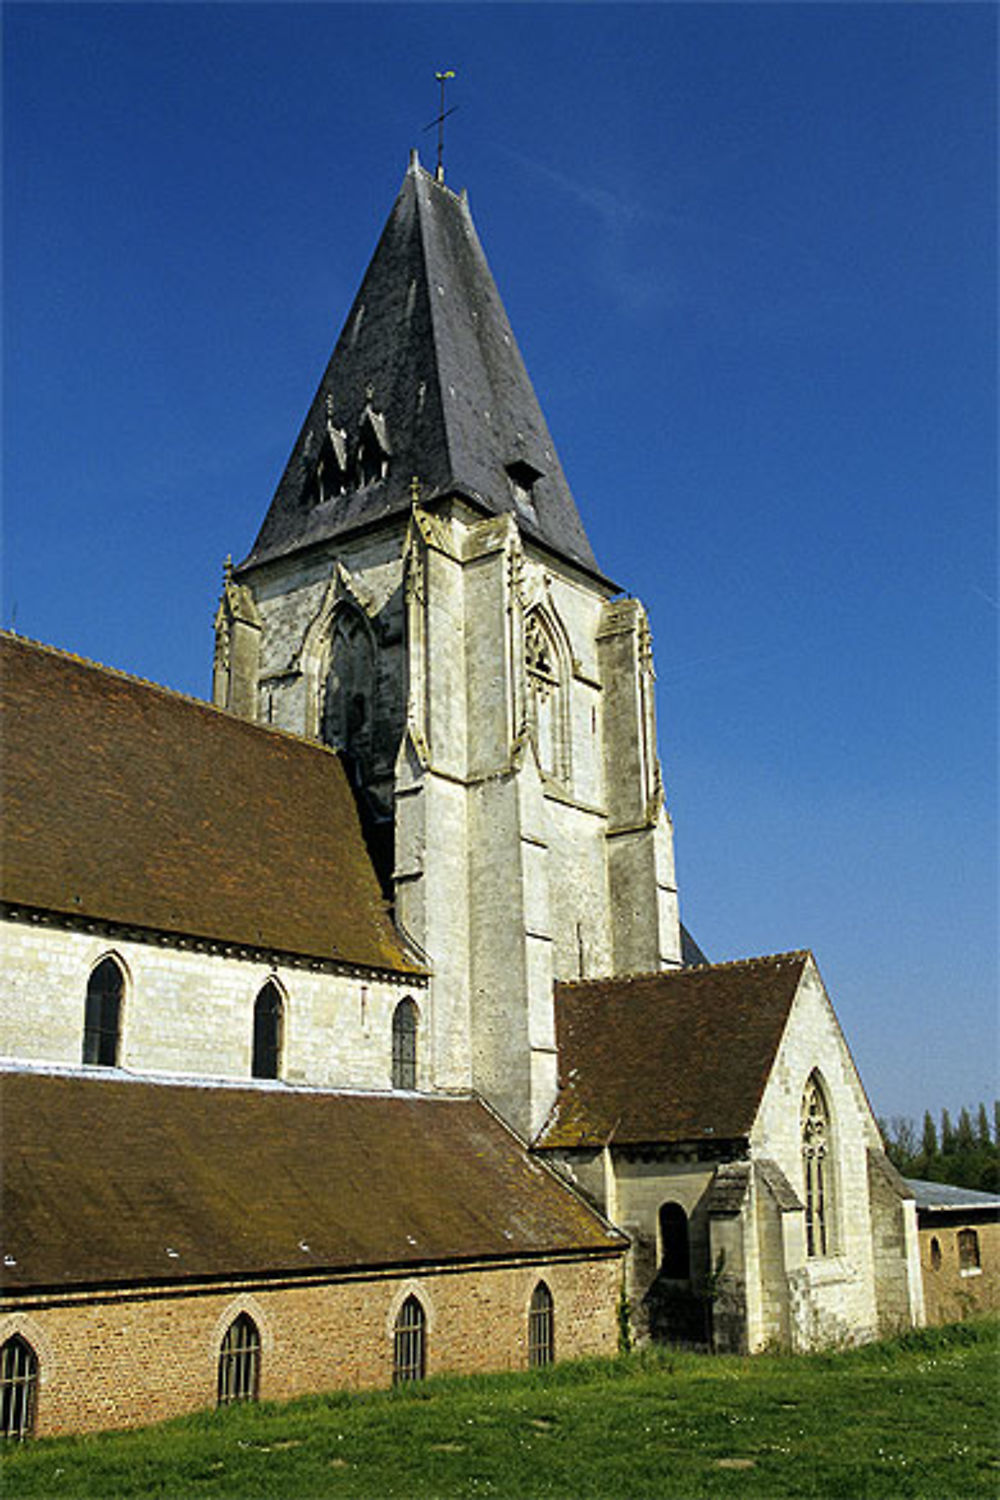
(682, 1055)
(108, 1180)
(129, 804)
(945, 1195)
(428, 346)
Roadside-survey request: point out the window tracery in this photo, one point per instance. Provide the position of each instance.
(546, 695)
(816, 1168)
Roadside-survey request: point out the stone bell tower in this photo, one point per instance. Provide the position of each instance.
(423, 598)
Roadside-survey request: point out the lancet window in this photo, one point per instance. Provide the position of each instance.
(103, 1014)
(348, 698)
(239, 1362)
(546, 695)
(816, 1169)
(409, 1345)
(404, 1045)
(541, 1327)
(268, 1032)
(18, 1388)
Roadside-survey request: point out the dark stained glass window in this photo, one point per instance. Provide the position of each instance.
(268, 1014)
(102, 1019)
(404, 1045)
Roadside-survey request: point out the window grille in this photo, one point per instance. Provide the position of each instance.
(239, 1362)
(815, 1143)
(267, 1029)
(409, 1353)
(968, 1250)
(675, 1243)
(102, 1018)
(541, 1327)
(404, 1045)
(18, 1386)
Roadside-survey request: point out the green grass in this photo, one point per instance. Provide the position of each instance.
(914, 1416)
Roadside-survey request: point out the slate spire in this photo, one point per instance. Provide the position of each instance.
(426, 380)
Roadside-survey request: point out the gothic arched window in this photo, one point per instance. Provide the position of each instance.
(18, 1387)
(409, 1344)
(103, 1015)
(348, 707)
(541, 1327)
(404, 1045)
(816, 1169)
(239, 1362)
(268, 1029)
(675, 1243)
(546, 706)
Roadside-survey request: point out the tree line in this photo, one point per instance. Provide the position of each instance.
(965, 1152)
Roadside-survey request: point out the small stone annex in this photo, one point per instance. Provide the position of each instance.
(349, 1031)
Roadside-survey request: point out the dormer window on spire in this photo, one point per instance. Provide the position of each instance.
(329, 478)
(373, 448)
(523, 477)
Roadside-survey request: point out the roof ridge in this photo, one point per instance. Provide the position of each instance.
(421, 179)
(731, 963)
(161, 687)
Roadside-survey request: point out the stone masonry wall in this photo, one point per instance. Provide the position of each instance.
(187, 1011)
(130, 1359)
(832, 1295)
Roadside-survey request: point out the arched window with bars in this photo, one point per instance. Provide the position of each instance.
(239, 1362)
(404, 1045)
(409, 1343)
(817, 1172)
(18, 1389)
(103, 1014)
(541, 1327)
(268, 1032)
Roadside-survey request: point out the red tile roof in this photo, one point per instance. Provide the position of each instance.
(126, 803)
(111, 1180)
(675, 1056)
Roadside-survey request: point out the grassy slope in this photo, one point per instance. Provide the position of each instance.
(912, 1417)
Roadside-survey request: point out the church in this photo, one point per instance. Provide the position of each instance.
(350, 1032)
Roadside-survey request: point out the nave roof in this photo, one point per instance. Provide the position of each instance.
(129, 804)
(112, 1180)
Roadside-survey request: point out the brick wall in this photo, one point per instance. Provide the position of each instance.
(126, 1360)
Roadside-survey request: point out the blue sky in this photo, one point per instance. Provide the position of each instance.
(749, 252)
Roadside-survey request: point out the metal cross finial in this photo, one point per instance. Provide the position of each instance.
(443, 114)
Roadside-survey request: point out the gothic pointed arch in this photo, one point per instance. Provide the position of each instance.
(547, 673)
(819, 1194)
(348, 690)
(103, 1014)
(268, 1032)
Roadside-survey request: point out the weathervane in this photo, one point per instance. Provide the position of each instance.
(443, 114)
